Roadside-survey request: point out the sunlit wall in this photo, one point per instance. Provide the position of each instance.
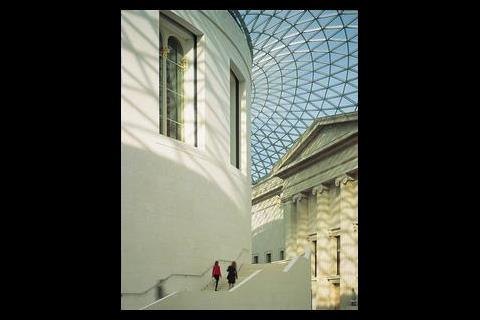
(309, 199)
(183, 206)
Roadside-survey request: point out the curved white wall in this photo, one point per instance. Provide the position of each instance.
(182, 206)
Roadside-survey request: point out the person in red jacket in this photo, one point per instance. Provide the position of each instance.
(216, 274)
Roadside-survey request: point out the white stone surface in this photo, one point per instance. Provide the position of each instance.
(182, 206)
(267, 229)
(271, 289)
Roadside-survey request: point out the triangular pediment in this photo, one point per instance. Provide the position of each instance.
(322, 134)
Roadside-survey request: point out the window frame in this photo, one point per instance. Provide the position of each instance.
(169, 28)
(334, 251)
(235, 120)
(179, 94)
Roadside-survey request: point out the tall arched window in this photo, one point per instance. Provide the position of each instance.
(171, 90)
(178, 81)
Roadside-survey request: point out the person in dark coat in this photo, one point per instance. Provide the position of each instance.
(216, 274)
(232, 274)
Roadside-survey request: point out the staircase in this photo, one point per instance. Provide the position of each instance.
(279, 285)
(245, 271)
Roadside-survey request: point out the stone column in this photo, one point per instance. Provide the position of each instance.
(290, 228)
(323, 246)
(301, 207)
(348, 241)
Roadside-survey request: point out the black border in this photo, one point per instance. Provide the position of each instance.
(73, 158)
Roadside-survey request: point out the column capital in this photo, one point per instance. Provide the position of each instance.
(319, 189)
(343, 179)
(184, 63)
(298, 197)
(164, 52)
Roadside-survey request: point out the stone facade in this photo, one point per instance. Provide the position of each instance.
(313, 193)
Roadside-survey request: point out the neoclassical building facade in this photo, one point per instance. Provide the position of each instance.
(309, 201)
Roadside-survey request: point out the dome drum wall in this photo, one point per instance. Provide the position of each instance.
(184, 205)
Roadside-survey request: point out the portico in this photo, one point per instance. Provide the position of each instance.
(317, 184)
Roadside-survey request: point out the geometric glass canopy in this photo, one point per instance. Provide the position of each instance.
(305, 66)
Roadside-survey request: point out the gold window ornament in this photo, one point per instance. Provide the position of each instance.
(184, 63)
(164, 52)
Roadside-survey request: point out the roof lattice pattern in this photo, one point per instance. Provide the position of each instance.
(304, 67)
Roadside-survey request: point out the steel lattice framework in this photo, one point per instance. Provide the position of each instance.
(304, 67)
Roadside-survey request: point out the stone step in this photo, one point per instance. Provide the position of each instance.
(245, 271)
(224, 284)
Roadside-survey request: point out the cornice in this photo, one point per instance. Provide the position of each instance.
(311, 133)
(346, 141)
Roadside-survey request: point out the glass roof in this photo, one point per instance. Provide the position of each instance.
(305, 66)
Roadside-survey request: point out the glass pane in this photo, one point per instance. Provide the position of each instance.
(160, 89)
(172, 129)
(172, 52)
(175, 99)
(174, 89)
(172, 79)
(172, 99)
(175, 50)
(171, 105)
